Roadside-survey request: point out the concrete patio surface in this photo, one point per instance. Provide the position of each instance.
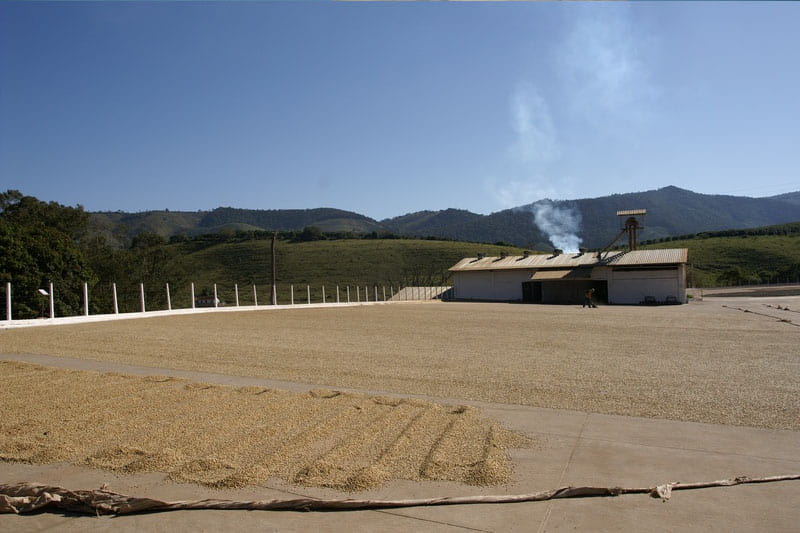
(570, 448)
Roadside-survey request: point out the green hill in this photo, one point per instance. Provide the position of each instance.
(671, 211)
(327, 219)
(738, 257)
(715, 260)
(118, 227)
(362, 262)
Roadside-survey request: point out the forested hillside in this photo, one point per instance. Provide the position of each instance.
(671, 211)
(42, 242)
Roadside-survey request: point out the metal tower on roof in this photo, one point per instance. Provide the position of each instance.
(631, 224)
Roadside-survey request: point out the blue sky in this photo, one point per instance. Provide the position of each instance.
(390, 108)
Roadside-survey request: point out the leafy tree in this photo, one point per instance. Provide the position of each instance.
(310, 233)
(39, 245)
(30, 211)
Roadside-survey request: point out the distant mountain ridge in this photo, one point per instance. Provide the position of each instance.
(791, 197)
(671, 211)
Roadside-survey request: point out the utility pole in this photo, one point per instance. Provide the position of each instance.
(274, 276)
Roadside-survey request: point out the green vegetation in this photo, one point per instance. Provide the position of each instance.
(671, 211)
(344, 262)
(792, 228)
(739, 257)
(42, 242)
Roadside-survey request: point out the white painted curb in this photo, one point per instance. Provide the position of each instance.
(34, 322)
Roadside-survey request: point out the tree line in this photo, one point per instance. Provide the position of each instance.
(46, 242)
(791, 228)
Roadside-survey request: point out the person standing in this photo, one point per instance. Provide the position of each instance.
(588, 298)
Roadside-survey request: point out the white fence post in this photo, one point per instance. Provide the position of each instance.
(193, 295)
(52, 302)
(391, 289)
(236, 291)
(85, 299)
(255, 295)
(114, 294)
(337, 294)
(8, 301)
(323, 294)
(348, 294)
(275, 294)
(384, 293)
(366, 294)
(141, 296)
(169, 301)
(308, 292)
(216, 300)
(358, 294)
(291, 293)
(376, 293)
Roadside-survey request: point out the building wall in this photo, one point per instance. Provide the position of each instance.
(633, 286)
(624, 286)
(501, 286)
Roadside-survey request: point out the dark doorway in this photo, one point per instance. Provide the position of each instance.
(532, 292)
(563, 292)
(601, 291)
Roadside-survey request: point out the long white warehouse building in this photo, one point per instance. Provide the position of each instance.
(618, 277)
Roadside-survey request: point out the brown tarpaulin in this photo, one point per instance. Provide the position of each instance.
(30, 497)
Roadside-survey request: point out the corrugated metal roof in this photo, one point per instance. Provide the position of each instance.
(631, 212)
(513, 262)
(669, 256)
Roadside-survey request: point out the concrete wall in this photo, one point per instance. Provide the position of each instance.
(633, 286)
(624, 286)
(501, 286)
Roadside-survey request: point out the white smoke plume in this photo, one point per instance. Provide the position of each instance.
(560, 224)
(533, 125)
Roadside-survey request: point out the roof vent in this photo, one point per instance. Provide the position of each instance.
(557, 252)
(526, 253)
(503, 255)
(481, 255)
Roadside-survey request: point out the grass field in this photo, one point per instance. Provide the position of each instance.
(381, 262)
(700, 362)
(759, 258)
